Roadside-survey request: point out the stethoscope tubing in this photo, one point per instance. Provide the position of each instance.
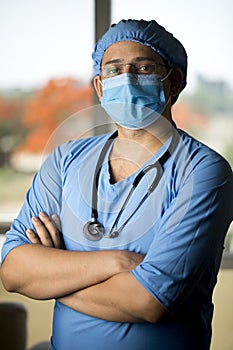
(134, 185)
(114, 231)
(94, 212)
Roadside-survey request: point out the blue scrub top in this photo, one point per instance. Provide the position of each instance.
(180, 228)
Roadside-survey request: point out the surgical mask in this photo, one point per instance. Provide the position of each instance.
(134, 101)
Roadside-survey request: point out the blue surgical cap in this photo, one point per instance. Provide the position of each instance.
(148, 33)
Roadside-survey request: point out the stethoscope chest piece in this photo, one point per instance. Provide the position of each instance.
(93, 230)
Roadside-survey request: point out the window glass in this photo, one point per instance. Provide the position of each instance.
(45, 76)
(205, 107)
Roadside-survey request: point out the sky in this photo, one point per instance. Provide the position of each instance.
(55, 38)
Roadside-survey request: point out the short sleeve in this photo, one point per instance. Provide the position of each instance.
(191, 233)
(44, 195)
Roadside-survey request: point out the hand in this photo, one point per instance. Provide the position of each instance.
(48, 231)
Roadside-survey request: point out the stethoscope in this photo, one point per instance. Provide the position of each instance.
(93, 230)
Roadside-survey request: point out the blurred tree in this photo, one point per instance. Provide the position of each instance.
(211, 97)
(49, 107)
(11, 129)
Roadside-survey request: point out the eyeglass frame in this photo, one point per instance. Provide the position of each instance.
(136, 67)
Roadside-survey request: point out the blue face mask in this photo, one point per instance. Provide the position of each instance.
(134, 101)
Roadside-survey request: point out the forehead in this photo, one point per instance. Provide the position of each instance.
(129, 50)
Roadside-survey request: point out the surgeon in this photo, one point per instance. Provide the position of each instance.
(143, 210)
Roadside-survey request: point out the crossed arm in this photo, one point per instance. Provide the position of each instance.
(97, 283)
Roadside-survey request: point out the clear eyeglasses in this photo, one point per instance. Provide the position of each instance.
(113, 69)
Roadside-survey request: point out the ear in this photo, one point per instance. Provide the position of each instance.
(98, 86)
(176, 80)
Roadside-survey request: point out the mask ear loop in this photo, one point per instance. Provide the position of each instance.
(100, 81)
(162, 80)
(166, 76)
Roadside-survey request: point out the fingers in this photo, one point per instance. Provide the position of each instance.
(32, 236)
(48, 231)
(51, 232)
(42, 231)
(56, 221)
(57, 239)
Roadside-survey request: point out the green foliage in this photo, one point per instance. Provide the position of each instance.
(12, 131)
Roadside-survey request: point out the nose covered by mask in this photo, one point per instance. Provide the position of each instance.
(133, 101)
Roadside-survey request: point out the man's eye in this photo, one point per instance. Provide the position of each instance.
(146, 68)
(112, 70)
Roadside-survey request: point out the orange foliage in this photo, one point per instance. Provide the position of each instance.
(49, 107)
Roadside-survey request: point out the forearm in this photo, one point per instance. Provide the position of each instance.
(120, 299)
(43, 273)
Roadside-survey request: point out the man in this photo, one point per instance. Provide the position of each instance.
(144, 212)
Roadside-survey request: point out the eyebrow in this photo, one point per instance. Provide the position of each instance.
(135, 59)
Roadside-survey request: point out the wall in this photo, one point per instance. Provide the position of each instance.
(223, 316)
